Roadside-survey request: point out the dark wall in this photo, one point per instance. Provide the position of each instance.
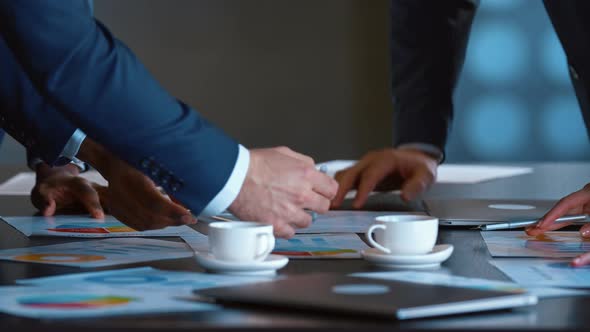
(310, 74)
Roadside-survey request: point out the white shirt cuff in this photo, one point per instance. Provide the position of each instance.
(73, 145)
(232, 187)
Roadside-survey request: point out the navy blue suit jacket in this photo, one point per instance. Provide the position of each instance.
(428, 43)
(66, 70)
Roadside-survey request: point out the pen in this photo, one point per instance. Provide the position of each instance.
(524, 223)
(314, 215)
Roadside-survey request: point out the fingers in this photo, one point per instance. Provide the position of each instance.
(415, 185)
(585, 231)
(533, 230)
(347, 180)
(581, 260)
(563, 207)
(50, 208)
(323, 184)
(369, 179)
(89, 198)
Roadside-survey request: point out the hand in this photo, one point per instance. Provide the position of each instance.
(280, 183)
(132, 197)
(60, 188)
(575, 203)
(388, 169)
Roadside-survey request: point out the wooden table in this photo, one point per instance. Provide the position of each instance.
(470, 259)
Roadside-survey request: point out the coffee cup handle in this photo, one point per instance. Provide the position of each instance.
(374, 243)
(269, 245)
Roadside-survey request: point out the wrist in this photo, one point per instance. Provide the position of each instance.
(43, 170)
(97, 156)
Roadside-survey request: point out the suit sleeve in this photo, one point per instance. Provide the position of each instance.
(428, 42)
(97, 83)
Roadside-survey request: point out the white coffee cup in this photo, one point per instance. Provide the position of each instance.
(403, 234)
(240, 241)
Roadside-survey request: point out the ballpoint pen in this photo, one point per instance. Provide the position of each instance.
(524, 223)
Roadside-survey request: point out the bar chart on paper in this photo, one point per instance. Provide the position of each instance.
(327, 246)
(85, 227)
(560, 244)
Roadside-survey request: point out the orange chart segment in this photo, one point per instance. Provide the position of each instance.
(58, 258)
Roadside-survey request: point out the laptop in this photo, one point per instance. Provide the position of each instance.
(366, 296)
(475, 212)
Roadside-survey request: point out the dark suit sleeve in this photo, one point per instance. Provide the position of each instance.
(99, 85)
(27, 116)
(428, 41)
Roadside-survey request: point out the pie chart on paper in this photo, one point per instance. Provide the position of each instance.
(73, 301)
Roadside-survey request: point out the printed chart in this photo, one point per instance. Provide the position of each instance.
(86, 227)
(549, 245)
(98, 253)
(544, 272)
(327, 246)
(441, 279)
(72, 302)
(145, 279)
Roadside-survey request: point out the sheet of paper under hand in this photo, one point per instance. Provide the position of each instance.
(98, 253)
(83, 226)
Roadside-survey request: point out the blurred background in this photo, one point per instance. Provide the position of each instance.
(313, 75)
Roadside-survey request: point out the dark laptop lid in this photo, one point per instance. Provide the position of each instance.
(393, 299)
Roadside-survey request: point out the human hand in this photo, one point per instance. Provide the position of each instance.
(132, 197)
(60, 188)
(575, 203)
(388, 169)
(280, 183)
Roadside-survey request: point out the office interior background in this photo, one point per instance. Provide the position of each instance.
(313, 75)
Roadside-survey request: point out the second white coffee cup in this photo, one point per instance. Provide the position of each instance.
(403, 234)
(241, 241)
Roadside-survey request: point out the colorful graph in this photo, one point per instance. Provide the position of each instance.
(319, 247)
(125, 279)
(58, 258)
(103, 228)
(73, 301)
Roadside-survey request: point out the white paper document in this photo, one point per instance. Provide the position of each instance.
(550, 245)
(97, 253)
(301, 246)
(197, 241)
(49, 302)
(449, 173)
(346, 221)
(544, 272)
(22, 183)
(86, 227)
(441, 279)
(146, 279)
(321, 246)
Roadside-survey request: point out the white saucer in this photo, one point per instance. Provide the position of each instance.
(267, 267)
(439, 254)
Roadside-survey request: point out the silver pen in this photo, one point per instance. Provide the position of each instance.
(524, 223)
(314, 215)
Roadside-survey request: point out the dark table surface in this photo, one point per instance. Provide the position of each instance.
(470, 259)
